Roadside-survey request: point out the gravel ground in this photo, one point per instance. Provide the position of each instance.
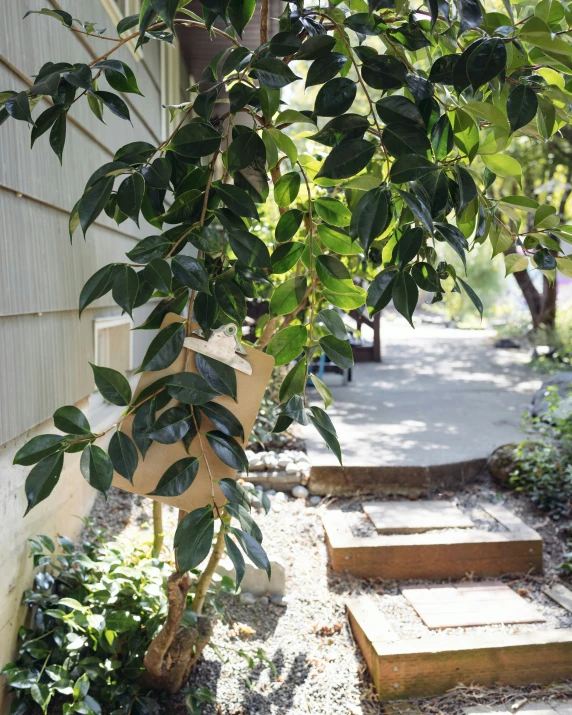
(318, 669)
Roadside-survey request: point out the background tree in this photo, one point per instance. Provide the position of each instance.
(448, 91)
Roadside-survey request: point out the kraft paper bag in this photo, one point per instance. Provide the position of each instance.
(159, 457)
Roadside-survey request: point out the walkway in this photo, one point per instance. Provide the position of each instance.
(439, 396)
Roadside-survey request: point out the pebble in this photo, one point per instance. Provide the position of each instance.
(257, 466)
(255, 502)
(315, 500)
(292, 468)
(280, 496)
(279, 601)
(248, 485)
(263, 600)
(270, 492)
(300, 492)
(247, 599)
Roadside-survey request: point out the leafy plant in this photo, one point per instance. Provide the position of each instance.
(364, 213)
(543, 462)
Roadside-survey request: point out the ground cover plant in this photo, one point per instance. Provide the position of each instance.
(364, 211)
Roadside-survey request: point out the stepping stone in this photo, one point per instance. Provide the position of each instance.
(560, 594)
(414, 517)
(473, 604)
(530, 708)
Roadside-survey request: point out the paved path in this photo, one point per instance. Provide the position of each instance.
(543, 708)
(439, 396)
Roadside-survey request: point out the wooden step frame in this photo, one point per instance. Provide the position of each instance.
(432, 665)
(435, 555)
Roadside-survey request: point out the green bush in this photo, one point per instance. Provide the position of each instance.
(544, 460)
(92, 615)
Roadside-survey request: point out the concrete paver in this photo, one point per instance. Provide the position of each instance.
(439, 396)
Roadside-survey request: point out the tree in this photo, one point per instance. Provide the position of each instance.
(447, 90)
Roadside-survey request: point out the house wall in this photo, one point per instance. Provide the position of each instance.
(44, 347)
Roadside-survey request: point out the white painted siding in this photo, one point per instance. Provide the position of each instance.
(44, 347)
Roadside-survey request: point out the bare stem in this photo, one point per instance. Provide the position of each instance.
(264, 22)
(157, 528)
(206, 577)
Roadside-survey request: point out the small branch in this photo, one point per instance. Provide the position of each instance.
(264, 22)
(206, 577)
(157, 528)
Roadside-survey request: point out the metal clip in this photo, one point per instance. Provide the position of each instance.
(222, 345)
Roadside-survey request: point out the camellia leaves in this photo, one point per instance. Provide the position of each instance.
(288, 295)
(114, 386)
(223, 419)
(287, 344)
(171, 426)
(177, 479)
(286, 256)
(237, 559)
(193, 538)
(227, 450)
(370, 216)
(339, 351)
(164, 348)
(123, 455)
(70, 419)
(42, 479)
(286, 188)
(486, 62)
(405, 295)
(191, 272)
(97, 468)
(190, 389)
(221, 377)
(288, 225)
(380, 291)
(521, 106)
(294, 382)
(335, 97)
(37, 448)
(347, 159)
(325, 427)
(249, 249)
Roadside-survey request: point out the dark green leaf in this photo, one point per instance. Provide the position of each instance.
(240, 95)
(125, 288)
(158, 274)
(410, 168)
(71, 420)
(337, 130)
(171, 426)
(380, 291)
(227, 450)
(339, 351)
(240, 13)
(97, 468)
(45, 121)
(347, 159)
(333, 273)
(166, 9)
(123, 80)
(284, 44)
(470, 14)
(442, 137)
(149, 248)
(98, 285)
(521, 106)
(426, 277)
(317, 46)
(325, 68)
(223, 419)
(144, 420)
(193, 538)
(253, 550)
(221, 377)
(325, 427)
(397, 110)
(123, 455)
(205, 310)
(245, 149)
(237, 559)
(93, 201)
(127, 23)
(37, 448)
(285, 256)
(247, 523)
(454, 238)
(157, 174)
(18, 107)
(443, 68)
(486, 62)
(231, 300)
(191, 272)
(189, 388)
(164, 348)
(287, 344)
(384, 72)
(237, 200)
(334, 323)
(64, 17)
(335, 97)
(403, 139)
(418, 208)
(288, 225)
(195, 140)
(177, 479)
(544, 260)
(274, 73)
(113, 386)
(130, 196)
(370, 217)
(408, 246)
(467, 187)
(115, 104)
(234, 493)
(405, 295)
(249, 249)
(475, 300)
(42, 479)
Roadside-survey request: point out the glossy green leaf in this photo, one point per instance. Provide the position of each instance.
(325, 68)
(274, 73)
(42, 479)
(288, 225)
(426, 277)
(223, 419)
(285, 256)
(123, 455)
(237, 200)
(411, 168)
(96, 467)
(294, 382)
(408, 246)
(521, 106)
(220, 377)
(288, 295)
(190, 272)
(195, 140)
(323, 391)
(227, 450)
(37, 448)
(177, 479)
(240, 13)
(193, 538)
(380, 291)
(326, 429)
(164, 348)
(245, 149)
(231, 300)
(335, 97)
(339, 351)
(113, 386)
(370, 217)
(286, 188)
(171, 426)
(70, 419)
(338, 240)
(405, 295)
(237, 559)
(189, 388)
(288, 344)
(253, 550)
(332, 211)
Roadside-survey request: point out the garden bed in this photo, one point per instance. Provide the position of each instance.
(319, 668)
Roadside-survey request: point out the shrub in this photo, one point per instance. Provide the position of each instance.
(92, 616)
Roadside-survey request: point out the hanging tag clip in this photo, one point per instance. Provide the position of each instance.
(222, 346)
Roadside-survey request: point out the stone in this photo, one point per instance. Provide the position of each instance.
(271, 493)
(263, 600)
(257, 466)
(501, 463)
(255, 502)
(279, 601)
(507, 344)
(292, 468)
(248, 485)
(563, 383)
(280, 496)
(304, 466)
(259, 487)
(283, 462)
(315, 500)
(247, 599)
(255, 583)
(300, 492)
(250, 455)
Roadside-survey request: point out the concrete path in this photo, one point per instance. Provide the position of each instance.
(439, 396)
(542, 708)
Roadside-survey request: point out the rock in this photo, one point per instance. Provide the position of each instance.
(255, 582)
(259, 487)
(276, 507)
(248, 485)
(271, 493)
(263, 600)
(255, 502)
(292, 468)
(507, 343)
(300, 492)
(283, 462)
(280, 496)
(247, 599)
(501, 463)
(257, 466)
(279, 601)
(250, 455)
(315, 500)
(563, 383)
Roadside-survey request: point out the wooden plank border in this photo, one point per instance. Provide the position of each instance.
(434, 555)
(423, 667)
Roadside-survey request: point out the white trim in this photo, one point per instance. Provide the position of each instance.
(113, 321)
(132, 7)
